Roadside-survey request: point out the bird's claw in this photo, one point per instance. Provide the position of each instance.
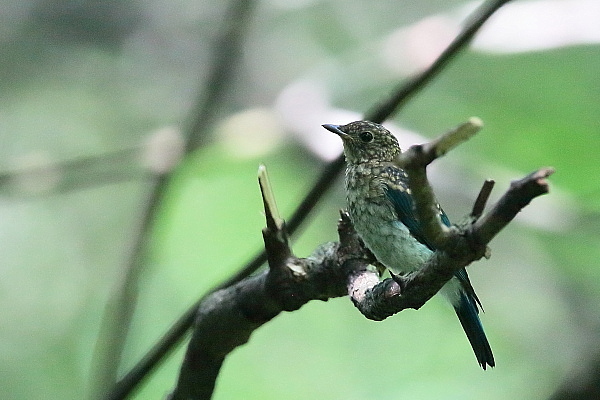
(399, 279)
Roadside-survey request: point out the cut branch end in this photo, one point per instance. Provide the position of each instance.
(482, 198)
(456, 136)
(274, 221)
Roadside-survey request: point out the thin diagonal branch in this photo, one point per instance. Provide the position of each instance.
(122, 302)
(400, 96)
(226, 55)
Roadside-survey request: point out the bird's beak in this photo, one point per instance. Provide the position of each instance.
(335, 129)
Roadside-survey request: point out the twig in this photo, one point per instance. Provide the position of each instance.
(274, 221)
(421, 155)
(399, 97)
(518, 196)
(482, 198)
(275, 235)
(415, 161)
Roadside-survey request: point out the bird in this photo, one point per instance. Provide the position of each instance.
(382, 211)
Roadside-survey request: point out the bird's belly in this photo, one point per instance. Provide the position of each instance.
(398, 250)
(392, 244)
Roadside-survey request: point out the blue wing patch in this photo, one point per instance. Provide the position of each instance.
(403, 204)
(399, 195)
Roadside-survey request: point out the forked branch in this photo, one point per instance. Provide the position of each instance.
(227, 318)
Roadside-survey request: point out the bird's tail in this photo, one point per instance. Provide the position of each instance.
(467, 313)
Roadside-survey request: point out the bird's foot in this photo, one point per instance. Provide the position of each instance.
(399, 279)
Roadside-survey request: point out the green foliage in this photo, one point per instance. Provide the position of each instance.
(63, 253)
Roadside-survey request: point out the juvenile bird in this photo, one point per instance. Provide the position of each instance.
(382, 211)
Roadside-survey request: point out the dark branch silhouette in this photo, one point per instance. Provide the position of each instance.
(119, 310)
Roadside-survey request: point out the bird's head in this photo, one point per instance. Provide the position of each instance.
(366, 141)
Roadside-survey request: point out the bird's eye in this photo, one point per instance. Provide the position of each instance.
(366, 136)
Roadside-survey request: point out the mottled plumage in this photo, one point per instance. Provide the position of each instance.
(382, 212)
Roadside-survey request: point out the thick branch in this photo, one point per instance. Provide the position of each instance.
(227, 318)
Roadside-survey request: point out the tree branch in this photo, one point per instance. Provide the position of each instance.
(324, 182)
(519, 195)
(415, 161)
(229, 316)
(119, 309)
(400, 96)
(482, 198)
(121, 304)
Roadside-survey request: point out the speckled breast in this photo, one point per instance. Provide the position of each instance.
(376, 222)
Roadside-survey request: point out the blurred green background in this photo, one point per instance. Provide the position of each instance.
(94, 97)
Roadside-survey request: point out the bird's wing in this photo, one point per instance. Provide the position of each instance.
(396, 190)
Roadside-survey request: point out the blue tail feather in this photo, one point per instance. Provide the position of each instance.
(467, 313)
